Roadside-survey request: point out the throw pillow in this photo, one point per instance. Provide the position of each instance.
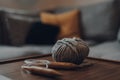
(100, 21)
(4, 39)
(17, 27)
(42, 34)
(68, 22)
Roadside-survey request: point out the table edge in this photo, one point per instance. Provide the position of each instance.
(49, 54)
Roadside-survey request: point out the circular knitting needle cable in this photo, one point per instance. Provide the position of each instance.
(32, 61)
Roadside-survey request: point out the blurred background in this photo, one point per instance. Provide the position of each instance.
(20, 26)
(35, 5)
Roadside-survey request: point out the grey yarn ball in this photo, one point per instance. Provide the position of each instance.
(73, 50)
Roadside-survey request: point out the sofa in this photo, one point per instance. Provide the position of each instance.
(100, 25)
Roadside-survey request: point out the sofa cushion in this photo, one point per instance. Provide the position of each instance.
(17, 27)
(11, 52)
(68, 23)
(3, 32)
(42, 34)
(99, 20)
(108, 50)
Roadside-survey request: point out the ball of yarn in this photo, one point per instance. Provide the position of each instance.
(73, 50)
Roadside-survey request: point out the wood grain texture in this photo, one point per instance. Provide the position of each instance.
(100, 70)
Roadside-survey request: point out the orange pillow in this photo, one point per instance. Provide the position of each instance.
(69, 23)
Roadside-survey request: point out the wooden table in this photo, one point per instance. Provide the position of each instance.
(100, 70)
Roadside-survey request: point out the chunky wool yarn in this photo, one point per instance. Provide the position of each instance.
(73, 50)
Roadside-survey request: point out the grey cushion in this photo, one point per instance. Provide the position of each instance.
(18, 27)
(10, 52)
(107, 50)
(98, 23)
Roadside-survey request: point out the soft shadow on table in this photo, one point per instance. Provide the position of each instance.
(27, 75)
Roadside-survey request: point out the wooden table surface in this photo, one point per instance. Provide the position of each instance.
(100, 70)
